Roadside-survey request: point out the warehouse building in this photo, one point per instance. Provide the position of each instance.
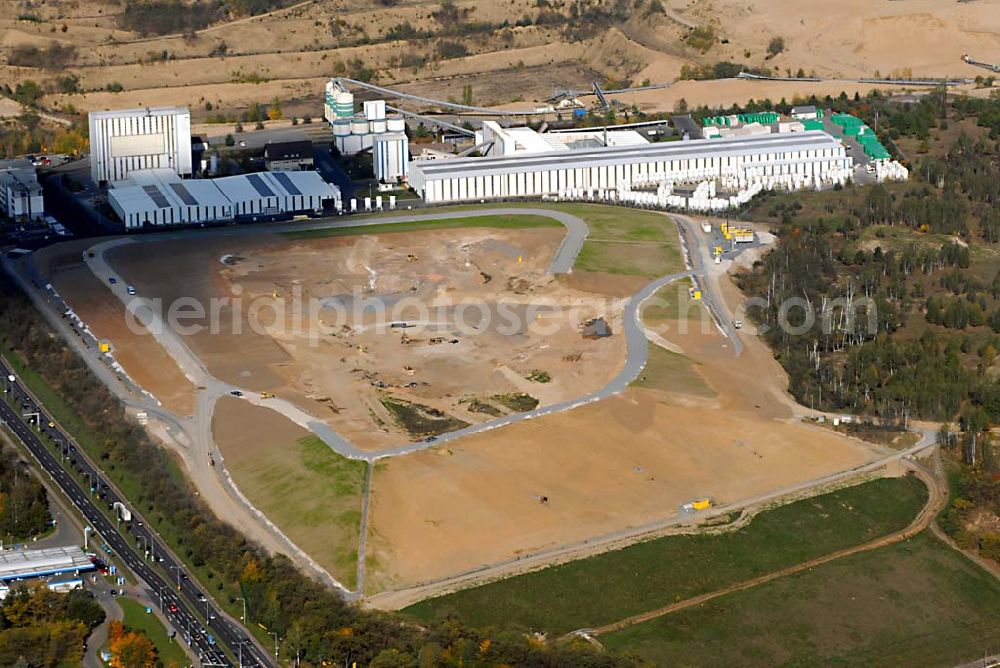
(24, 564)
(774, 160)
(277, 193)
(21, 198)
(130, 140)
(160, 197)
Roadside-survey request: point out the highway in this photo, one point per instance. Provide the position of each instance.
(177, 594)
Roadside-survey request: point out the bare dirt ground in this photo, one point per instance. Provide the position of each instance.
(471, 352)
(604, 467)
(855, 38)
(620, 463)
(141, 356)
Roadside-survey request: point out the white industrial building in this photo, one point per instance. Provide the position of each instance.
(130, 140)
(806, 112)
(160, 197)
(372, 129)
(742, 165)
(495, 140)
(391, 157)
(24, 564)
(21, 196)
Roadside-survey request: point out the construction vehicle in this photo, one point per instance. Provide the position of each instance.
(412, 258)
(697, 504)
(266, 395)
(104, 346)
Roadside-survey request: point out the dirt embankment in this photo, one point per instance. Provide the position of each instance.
(141, 356)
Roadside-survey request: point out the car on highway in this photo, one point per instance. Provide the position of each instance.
(112, 280)
(172, 607)
(130, 290)
(236, 393)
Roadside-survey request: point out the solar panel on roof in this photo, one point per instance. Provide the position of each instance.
(183, 193)
(157, 197)
(286, 181)
(259, 185)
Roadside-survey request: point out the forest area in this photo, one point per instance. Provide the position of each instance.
(40, 627)
(24, 506)
(897, 293)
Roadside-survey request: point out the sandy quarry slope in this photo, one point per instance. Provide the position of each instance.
(290, 53)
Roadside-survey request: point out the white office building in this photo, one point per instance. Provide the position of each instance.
(130, 140)
(160, 197)
(793, 160)
(21, 196)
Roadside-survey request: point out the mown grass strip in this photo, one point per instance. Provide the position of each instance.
(914, 603)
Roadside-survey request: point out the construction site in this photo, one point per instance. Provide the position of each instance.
(400, 351)
(389, 337)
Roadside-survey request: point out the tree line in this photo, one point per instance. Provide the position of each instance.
(44, 629)
(24, 505)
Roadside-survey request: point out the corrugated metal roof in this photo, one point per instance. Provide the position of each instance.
(616, 155)
(16, 564)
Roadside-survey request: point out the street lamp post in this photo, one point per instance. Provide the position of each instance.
(273, 633)
(178, 570)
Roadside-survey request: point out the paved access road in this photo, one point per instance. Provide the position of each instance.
(175, 589)
(199, 375)
(199, 430)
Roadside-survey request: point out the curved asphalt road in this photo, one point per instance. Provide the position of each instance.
(197, 373)
(200, 425)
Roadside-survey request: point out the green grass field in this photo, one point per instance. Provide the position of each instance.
(626, 241)
(673, 302)
(916, 603)
(670, 372)
(313, 494)
(497, 222)
(611, 586)
(136, 619)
